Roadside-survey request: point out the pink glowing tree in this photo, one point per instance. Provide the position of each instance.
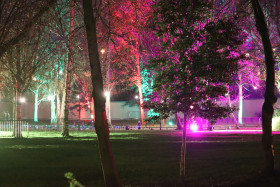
(125, 21)
(197, 62)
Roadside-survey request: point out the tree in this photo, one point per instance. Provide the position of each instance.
(269, 97)
(15, 25)
(108, 165)
(198, 60)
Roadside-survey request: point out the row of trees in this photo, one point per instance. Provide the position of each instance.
(121, 59)
(57, 50)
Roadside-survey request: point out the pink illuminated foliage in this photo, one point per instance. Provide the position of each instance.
(196, 64)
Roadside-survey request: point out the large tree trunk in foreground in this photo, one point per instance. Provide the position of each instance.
(101, 126)
(270, 98)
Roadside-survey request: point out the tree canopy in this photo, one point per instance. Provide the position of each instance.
(197, 60)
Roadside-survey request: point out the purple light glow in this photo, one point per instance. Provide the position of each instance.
(194, 127)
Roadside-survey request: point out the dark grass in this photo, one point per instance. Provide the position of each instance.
(144, 158)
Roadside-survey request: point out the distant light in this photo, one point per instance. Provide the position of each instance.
(50, 98)
(91, 116)
(107, 94)
(34, 78)
(102, 51)
(136, 97)
(78, 96)
(255, 87)
(247, 54)
(60, 72)
(194, 127)
(22, 100)
(170, 123)
(191, 107)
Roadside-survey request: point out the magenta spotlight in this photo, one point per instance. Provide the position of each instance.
(194, 127)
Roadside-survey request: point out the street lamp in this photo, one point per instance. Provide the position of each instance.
(107, 94)
(22, 100)
(50, 98)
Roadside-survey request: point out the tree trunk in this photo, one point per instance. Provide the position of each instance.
(178, 121)
(108, 81)
(230, 105)
(108, 109)
(65, 129)
(240, 109)
(110, 173)
(62, 106)
(57, 114)
(183, 150)
(17, 133)
(36, 105)
(269, 98)
(53, 107)
(139, 84)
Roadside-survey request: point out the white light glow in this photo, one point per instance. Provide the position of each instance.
(194, 127)
(50, 97)
(22, 100)
(107, 94)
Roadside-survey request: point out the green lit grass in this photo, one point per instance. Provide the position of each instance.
(144, 158)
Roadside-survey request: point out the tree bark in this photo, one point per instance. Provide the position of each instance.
(178, 121)
(110, 173)
(139, 84)
(270, 98)
(240, 109)
(65, 129)
(183, 150)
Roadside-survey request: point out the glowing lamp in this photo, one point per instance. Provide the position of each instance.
(107, 94)
(91, 116)
(170, 123)
(102, 51)
(78, 96)
(136, 97)
(247, 54)
(22, 100)
(191, 107)
(194, 127)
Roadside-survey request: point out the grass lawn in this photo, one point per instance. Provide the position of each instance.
(143, 158)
